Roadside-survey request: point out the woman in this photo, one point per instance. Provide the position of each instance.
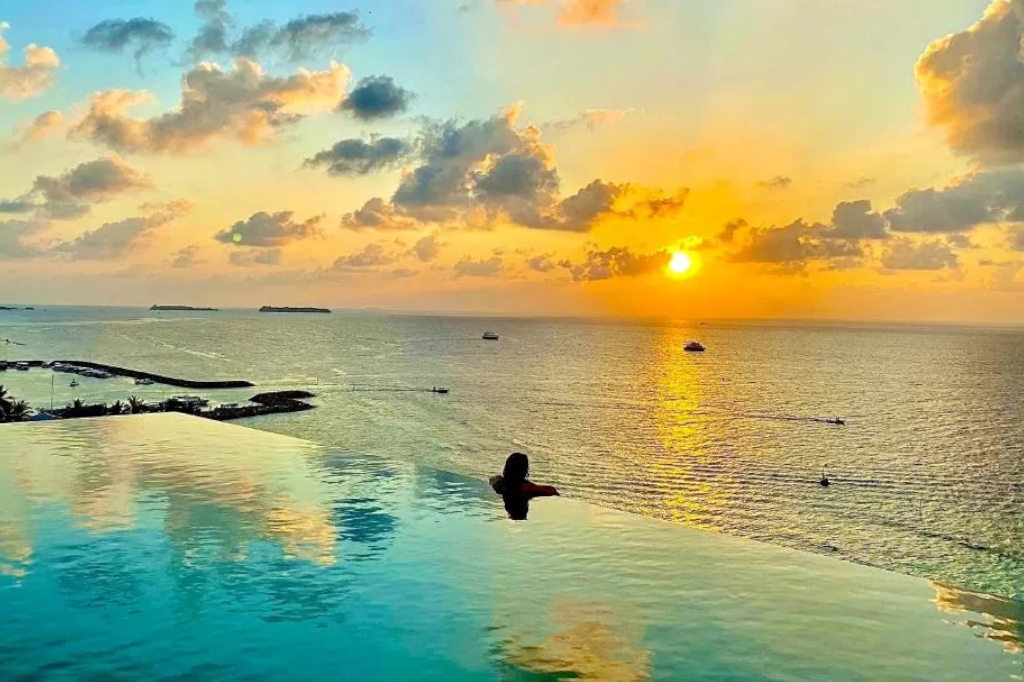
(515, 489)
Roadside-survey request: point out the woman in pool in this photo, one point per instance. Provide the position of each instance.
(515, 489)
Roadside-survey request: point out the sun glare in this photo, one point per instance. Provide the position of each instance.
(680, 263)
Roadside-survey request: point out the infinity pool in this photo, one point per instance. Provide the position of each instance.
(168, 547)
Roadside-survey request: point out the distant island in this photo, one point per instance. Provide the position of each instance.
(181, 307)
(4, 307)
(273, 309)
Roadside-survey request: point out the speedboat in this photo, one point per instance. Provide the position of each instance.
(21, 366)
(143, 381)
(490, 336)
(439, 389)
(694, 347)
(191, 400)
(837, 421)
(74, 383)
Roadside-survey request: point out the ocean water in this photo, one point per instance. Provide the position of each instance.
(166, 547)
(927, 474)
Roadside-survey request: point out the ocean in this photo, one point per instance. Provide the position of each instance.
(927, 474)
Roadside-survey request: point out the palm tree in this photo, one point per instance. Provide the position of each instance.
(135, 404)
(75, 408)
(18, 412)
(117, 407)
(5, 400)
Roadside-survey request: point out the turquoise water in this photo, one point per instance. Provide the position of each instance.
(167, 547)
(927, 474)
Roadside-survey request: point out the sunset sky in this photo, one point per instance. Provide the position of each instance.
(856, 159)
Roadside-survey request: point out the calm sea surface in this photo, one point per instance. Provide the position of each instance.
(927, 475)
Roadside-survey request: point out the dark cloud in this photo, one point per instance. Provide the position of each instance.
(16, 206)
(662, 206)
(730, 229)
(371, 256)
(377, 97)
(245, 104)
(186, 257)
(976, 199)
(905, 254)
(298, 39)
(542, 263)
(486, 267)
(113, 240)
(973, 85)
(139, 35)
(72, 194)
(1017, 239)
(794, 245)
(616, 262)
(861, 182)
(377, 214)
(266, 230)
(582, 210)
(427, 248)
(855, 220)
(778, 182)
(247, 257)
(13, 235)
(32, 78)
(960, 241)
(359, 157)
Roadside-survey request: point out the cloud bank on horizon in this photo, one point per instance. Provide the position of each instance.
(356, 180)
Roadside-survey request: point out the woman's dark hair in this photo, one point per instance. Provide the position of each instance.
(517, 468)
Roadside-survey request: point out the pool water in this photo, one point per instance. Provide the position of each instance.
(169, 547)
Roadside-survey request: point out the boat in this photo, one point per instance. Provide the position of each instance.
(191, 400)
(21, 366)
(837, 421)
(694, 347)
(143, 381)
(439, 389)
(97, 374)
(490, 336)
(3, 366)
(74, 383)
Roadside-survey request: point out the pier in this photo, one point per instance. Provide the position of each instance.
(156, 378)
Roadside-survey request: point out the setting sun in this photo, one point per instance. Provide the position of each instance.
(680, 263)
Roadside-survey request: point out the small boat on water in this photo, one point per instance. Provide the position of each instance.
(694, 347)
(21, 366)
(439, 389)
(837, 421)
(3, 365)
(74, 383)
(191, 400)
(490, 336)
(143, 381)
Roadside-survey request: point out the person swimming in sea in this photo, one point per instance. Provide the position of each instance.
(516, 489)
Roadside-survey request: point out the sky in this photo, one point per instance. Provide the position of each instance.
(854, 160)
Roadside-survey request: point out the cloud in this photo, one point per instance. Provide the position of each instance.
(794, 245)
(186, 257)
(487, 267)
(1017, 239)
(973, 85)
(976, 199)
(776, 183)
(13, 234)
(139, 35)
(661, 206)
(44, 125)
(247, 257)
(591, 12)
(265, 230)
(855, 220)
(298, 39)
(113, 240)
(16, 206)
(359, 157)
(244, 104)
(542, 263)
(427, 248)
(905, 254)
(375, 98)
(616, 262)
(34, 77)
(71, 195)
(861, 182)
(730, 229)
(371, 256)
(377, 214)
(960, 241)
(591, 118)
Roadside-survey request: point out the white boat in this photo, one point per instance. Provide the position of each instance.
(694, 347)
(74, 383)
(191, 400)
(490, 336)
(143, 381)
(21, 366)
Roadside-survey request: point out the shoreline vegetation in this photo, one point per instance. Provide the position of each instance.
(274, 309)
(277, 402)
(183, 308)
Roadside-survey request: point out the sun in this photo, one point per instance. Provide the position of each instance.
(681, 263)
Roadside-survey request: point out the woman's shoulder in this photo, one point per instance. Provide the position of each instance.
(498, 483)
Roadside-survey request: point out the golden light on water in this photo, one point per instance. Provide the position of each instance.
(681, 263)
